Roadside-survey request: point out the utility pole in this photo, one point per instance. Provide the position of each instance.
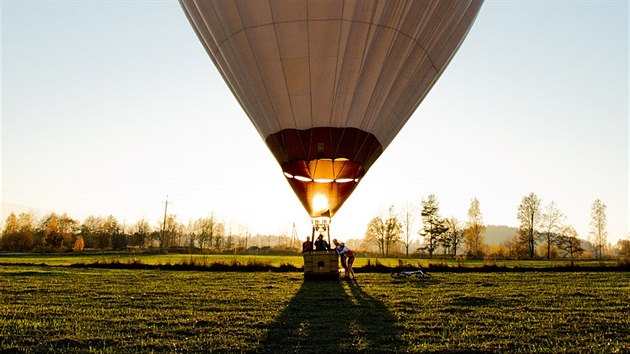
(163, 225)
(294, 237)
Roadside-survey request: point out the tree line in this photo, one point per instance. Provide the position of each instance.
(543, 233)
(61, 233)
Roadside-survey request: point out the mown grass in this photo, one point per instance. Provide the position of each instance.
(62, 309)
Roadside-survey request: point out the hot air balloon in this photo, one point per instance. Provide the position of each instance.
(329, 83)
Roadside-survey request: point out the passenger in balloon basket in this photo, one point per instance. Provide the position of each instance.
(321, 244)
(307, 246)
(347, 258)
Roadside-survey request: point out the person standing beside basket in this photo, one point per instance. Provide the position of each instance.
(347, 258)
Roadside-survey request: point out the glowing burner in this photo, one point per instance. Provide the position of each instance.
(320, 204)
(323, 185)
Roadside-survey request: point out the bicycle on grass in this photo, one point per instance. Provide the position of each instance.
(419, 273)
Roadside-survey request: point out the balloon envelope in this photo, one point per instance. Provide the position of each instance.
(329, 83)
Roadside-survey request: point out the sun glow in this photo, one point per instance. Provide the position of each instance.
(320, 203)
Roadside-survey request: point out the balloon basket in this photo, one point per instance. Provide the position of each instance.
(321, 265)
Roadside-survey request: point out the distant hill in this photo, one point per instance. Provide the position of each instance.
(498, 234)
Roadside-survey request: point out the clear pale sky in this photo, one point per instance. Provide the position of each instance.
(109, 106)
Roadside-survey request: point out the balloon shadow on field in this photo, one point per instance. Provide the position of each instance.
(332, 316)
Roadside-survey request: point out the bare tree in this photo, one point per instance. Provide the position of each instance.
(141, 232)
(206, 229)
(551, 225)
(454, 235)
(180, 239)
(474, 228)
(393, 230)
(191, 233)
(433, 225)
(105, 231)
(529, 216)
(384, 232)
(90, 230)
(109, 234)
(244, 240)
(407, 221)
(623, 249)
(219, 235)
(167, 237)
(569, 243)
(598, 232)
(375, 234)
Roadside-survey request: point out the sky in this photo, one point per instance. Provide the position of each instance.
(108, 107)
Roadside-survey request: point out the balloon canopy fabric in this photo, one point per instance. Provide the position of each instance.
(329, 83)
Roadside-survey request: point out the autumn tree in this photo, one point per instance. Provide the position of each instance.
(474, 228)
(51, 233)
(56, 232)
(434, 227)
(529, 216)
(18, 233)
(598, 233)
(11, 234)
(79, 244)
(68, 227)
(551, 225)
(516, 248)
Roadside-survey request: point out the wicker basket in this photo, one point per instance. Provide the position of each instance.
(321, 265)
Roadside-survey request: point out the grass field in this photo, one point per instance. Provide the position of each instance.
(65, 259)
(61, 309)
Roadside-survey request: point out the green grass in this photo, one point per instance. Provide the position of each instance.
(61, 309)
(272, 260)
(146, 258)
(156, 259)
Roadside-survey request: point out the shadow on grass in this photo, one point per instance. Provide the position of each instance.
(332, 316)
